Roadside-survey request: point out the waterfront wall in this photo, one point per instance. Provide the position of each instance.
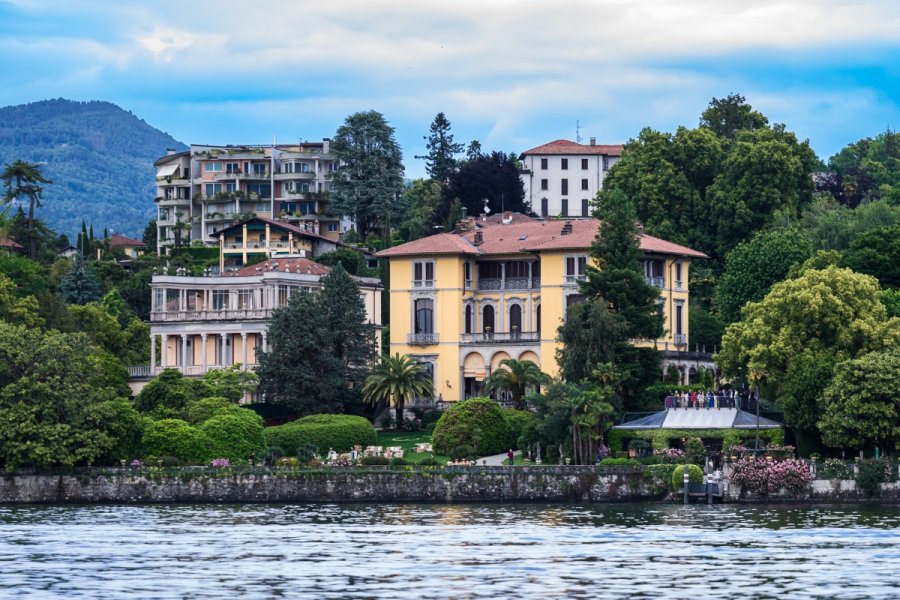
(466, 484)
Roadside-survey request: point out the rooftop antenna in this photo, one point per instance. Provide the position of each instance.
(578, 131)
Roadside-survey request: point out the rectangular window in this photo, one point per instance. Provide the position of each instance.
(585, 210)
(679, 323)
(212, 167)
(584, 184)
(584, 164)
(678, 275)
(423, 273)
(284, 294)
(307, 208)
(159, 296)
(564, 164)
(259, 168)
(220, 299)
(467, 274)
(606, 163)
(263, 190)
(232, 168)
(211, 189)
(564, 186)
(545, 209)
(543, 164)
(173, 299)
(545, 184)
(230, 188)
(575, 266)
(332, 227)
(245, 299)
(564, 211)
(424, 316)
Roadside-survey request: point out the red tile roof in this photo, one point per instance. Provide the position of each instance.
(304, 266)
(282, 225)
(525, 236)
(569, 147)
(10, 243)
(121, 241)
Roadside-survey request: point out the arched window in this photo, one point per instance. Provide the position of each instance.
(515, 318)
(487, 318)
(468, 318)
(424, 313)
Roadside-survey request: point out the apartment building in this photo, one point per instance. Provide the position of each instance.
(561, 177)
(202, 323)
(208, 188)
(499, 288)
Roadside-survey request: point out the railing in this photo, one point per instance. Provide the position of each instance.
(423, 283)
(140, 371)
(422, 339)
(135, 372)
(210, 315)
(510, 283)
(659, 282)
(468, 284)
(493, 337)
(575, 278)
(680, 339)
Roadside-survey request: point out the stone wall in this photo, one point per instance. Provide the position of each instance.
(360, 484)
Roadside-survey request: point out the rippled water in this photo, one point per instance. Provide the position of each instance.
(462, 551)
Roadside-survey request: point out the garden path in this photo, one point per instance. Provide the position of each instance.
(494, 461)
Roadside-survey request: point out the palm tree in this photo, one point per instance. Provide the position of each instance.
(23, 179)
(516, 378)
(397, 379)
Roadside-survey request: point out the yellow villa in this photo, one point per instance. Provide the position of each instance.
(499, 288)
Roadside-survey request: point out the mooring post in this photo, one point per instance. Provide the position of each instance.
(687, 481)
(709, 482)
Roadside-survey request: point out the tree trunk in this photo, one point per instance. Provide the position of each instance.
(32, 243)
(398, 412)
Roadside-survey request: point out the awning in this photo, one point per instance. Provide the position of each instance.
(700, 418)
(167, 170)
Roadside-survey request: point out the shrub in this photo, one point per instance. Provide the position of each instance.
(429, 462)
(660, 477)
(197, 411)
(616, 462)
(374, 460)
(695, 474)
(220, 462)
(765, 477)
(236, 435)
(338, 432)
(517, 421)
(174, 437)
(166, 395)
(398, 462)
(273, 453)
(169, 461)
(307, 452)
(872, 473)
(673, 456)
(431, 416)
(695, 451)
(475, 427)
(834, 468)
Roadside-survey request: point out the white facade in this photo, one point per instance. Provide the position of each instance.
(560, 178)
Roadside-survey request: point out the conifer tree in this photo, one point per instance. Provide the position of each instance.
(439, 161)
(80, 286)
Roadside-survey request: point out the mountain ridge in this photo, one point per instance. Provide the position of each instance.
(99, 156)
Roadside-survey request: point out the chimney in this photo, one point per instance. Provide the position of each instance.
(507, 218)
(566, 228)
(593, 141)
(465, 213)
(170, 151)
(466, 224)
(483, 216)
(479, 238)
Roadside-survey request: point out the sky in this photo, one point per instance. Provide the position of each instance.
(511, 74)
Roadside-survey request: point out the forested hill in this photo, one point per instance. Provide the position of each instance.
(99, 156)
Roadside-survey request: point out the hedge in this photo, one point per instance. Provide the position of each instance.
(197, 411)
(337, 432)
(694, 472)
(174, 437)
(236, 434)
(517, 420)
(659, 438)
(475, 427)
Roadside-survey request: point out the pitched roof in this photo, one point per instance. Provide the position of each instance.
(570, 147)
(304, 266)
(121, 241)
(10, 243)
(704, 418)
(281, 225)
(524, 235)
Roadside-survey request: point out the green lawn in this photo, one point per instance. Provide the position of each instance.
(408, 440)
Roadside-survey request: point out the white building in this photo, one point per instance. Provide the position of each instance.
(201, 191)
(561, 177)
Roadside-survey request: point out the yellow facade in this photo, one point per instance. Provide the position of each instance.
(463, 355)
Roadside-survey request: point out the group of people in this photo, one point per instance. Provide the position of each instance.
(723, 398)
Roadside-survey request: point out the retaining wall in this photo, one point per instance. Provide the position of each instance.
(360, 484)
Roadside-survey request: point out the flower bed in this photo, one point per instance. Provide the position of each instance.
(764, 478)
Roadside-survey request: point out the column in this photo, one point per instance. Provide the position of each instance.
(203, 350)
(224, 349)
(184, 356)
(163, 359)
(244, 350)
(265, 343)
(152, 353)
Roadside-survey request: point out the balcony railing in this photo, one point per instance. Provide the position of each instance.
(423, 283)
(510, 283)
(496, 337)
(422, 339)
(135, 372)
(680, 339)
(575, 278)
(659, 282)
(209, 315)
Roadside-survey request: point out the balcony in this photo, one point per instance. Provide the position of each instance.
(422, 339)
(141, 371)
(500, 337)
(659, 282)
(680, 339)
(175, 316)
(241, 176)
(301, 175)
(510, 283)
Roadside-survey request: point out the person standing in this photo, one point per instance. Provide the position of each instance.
(511, 456)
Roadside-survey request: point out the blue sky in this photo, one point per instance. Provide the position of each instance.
(512, 74)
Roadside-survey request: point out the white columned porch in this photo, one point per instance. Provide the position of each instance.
(163, 359)
(203, 351)
(244, 351)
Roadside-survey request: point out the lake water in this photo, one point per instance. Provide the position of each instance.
(461, 551)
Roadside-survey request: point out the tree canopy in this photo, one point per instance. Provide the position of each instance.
(440, 159)
(488, 179)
